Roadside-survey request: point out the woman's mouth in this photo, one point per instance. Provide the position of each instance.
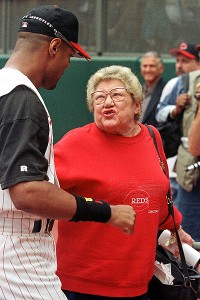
(109, 113)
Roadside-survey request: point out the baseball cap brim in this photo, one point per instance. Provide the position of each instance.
(176, 51)
(79, 51)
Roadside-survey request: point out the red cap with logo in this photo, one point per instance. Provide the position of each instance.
(188, 50)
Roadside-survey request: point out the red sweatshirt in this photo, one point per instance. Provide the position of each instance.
(97, 258)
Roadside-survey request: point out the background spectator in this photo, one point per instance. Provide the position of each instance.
(152, 68)
(187, 60)
(194, 134)
(174, 104)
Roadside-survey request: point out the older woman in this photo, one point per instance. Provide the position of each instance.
(114, 159)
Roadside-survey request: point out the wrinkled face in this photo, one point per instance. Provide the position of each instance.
(114, 108)
(151, 70)
(185, 64)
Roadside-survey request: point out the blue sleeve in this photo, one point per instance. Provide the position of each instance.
(170, 99)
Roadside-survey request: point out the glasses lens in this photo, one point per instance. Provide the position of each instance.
(99, 97)
(118, 94)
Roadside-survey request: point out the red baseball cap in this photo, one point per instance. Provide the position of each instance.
(188, 50)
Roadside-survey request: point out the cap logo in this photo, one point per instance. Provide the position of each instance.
(183, 46)
(38, 19)
(56, 32)
(24, 24)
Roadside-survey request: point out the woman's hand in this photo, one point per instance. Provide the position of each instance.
(185, 238)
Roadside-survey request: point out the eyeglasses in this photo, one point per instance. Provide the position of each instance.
(197, 96)
(117, 95)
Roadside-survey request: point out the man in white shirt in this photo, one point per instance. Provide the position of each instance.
(174, 98)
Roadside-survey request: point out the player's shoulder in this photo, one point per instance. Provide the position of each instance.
(23, 103)
(21, 93)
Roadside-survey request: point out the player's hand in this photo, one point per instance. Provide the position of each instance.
(122, 217)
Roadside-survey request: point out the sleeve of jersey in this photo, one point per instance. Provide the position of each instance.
(24, 138)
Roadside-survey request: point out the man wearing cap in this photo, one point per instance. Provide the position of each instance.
(30, 197)
(172, 106)
(173, 98)
(194, 134)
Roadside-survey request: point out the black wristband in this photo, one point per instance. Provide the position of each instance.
(90, 210)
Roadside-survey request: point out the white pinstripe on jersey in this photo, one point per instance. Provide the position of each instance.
(28, 268)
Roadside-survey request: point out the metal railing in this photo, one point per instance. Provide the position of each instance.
(116, 27)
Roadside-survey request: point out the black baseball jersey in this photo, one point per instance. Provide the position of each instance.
(24, 132)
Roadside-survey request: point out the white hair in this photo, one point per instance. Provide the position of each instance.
(124, 74)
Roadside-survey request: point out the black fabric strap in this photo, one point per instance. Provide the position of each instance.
(185, 81)
(90, 210)
(168, 196)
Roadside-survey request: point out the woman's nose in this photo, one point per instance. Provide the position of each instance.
(109, 101)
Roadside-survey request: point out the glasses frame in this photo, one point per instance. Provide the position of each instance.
(109, 93)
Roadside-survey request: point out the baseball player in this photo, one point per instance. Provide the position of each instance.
(30, 197)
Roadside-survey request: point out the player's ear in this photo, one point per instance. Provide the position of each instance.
(54, 46)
